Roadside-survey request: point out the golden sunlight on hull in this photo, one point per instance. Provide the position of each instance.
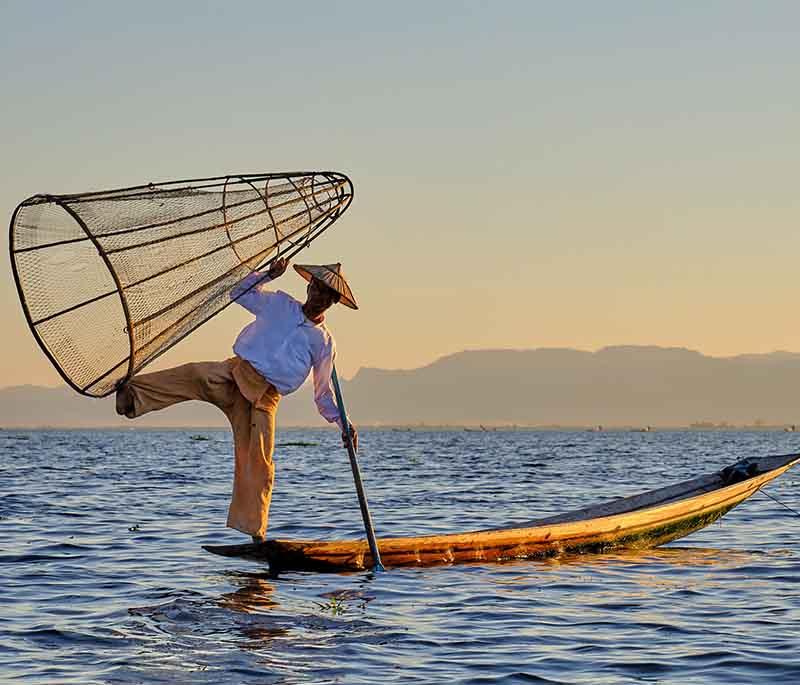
(638, 522)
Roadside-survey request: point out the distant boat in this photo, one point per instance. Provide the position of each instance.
(641, 521)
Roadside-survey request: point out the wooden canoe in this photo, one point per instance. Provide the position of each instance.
(646, 520)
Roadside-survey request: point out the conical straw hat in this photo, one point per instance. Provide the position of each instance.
(332, 276)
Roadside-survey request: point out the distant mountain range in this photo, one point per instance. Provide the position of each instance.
(614, 386)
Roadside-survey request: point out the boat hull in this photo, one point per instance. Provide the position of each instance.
(639, 522)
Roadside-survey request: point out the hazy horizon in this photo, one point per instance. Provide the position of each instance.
(58, 382)
(526, 175)
(614, 386)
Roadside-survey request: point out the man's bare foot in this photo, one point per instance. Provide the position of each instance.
(124, 404)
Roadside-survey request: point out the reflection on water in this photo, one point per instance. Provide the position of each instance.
(254, 592)
(104, 579)
(672, 555)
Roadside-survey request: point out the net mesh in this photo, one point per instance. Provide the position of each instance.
(110, 280)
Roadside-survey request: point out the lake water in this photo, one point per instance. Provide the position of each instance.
(103, 578)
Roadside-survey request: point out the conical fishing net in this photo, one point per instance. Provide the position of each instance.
(109, 280)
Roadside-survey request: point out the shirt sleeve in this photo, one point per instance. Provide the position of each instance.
(249, 295)
(323, 386)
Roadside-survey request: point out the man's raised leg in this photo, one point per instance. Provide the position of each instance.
(208, 381)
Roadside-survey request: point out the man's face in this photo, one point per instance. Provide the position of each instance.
(319, 296)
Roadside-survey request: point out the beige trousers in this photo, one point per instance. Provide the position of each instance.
(250, 402)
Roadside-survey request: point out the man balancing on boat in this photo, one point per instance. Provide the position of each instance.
(273, 357)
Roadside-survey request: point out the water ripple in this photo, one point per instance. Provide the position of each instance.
(104, 579)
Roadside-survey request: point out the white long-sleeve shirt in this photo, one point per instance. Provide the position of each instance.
(284, 346)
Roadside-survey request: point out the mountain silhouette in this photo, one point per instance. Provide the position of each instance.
(621, 385)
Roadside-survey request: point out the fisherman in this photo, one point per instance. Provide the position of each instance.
(273, 357)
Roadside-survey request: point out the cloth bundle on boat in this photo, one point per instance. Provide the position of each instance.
(109, 280)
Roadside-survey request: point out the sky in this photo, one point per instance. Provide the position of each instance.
(527, 174)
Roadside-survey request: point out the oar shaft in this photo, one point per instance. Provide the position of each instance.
(362, 496)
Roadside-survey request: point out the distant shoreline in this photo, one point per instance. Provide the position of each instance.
(467, 428)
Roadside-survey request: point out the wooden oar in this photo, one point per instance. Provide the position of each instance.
(362, 496)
